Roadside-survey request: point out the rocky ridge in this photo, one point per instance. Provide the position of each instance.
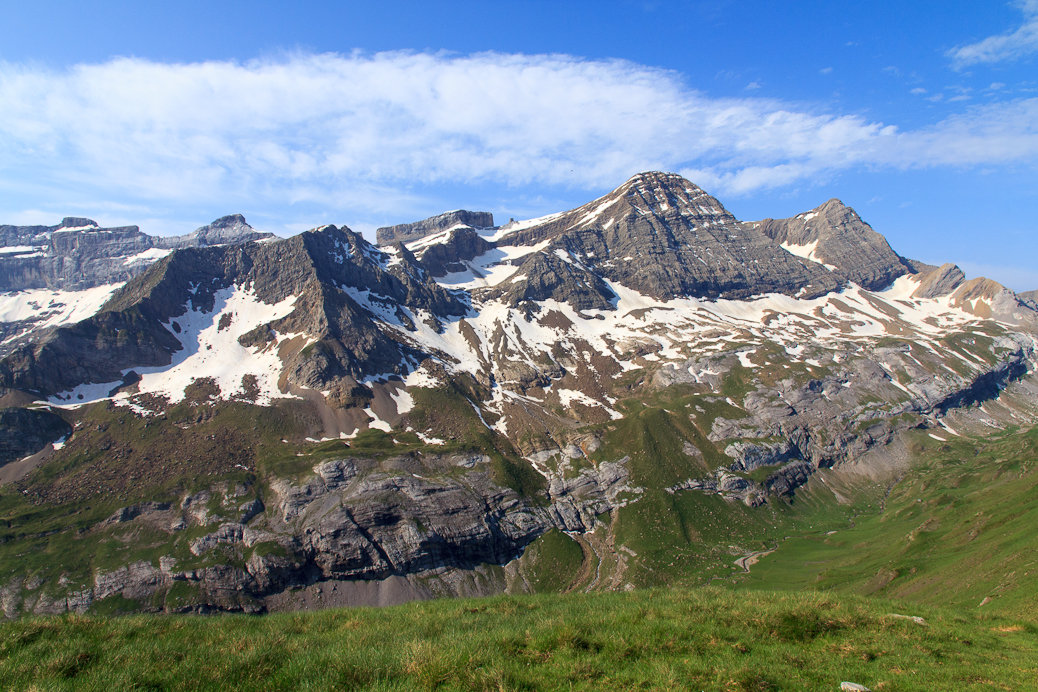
(446, 401)
(664, 237)
(78, 254)
(404, 232)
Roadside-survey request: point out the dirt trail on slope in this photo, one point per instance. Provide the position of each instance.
(603, 565)
(747, 561)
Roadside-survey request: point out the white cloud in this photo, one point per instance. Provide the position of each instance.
(375, 131)
(995, 133)
(1009, 46)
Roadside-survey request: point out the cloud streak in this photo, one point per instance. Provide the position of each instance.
(360, 129)
(1003, 47)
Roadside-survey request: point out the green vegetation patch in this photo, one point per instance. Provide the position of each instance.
(550, 563)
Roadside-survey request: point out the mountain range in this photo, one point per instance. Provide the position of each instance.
(598, 399)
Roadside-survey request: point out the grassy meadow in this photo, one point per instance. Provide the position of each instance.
(707, 638)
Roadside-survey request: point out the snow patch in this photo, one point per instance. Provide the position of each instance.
(151, 255)
(209, 351)
(54, 308)
(20, 249)
(403, 400)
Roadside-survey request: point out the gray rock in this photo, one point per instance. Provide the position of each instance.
(940, 281)
(131, 512)
(841, 240)
(462, 245)
(749, 456)
(78, 254)
(406, 232)
(27, 431)
(662, 236)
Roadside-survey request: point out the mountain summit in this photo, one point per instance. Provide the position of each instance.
(664, 237)
(834, 235)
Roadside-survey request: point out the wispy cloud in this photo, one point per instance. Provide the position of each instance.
(1008, 46)
(370, 131)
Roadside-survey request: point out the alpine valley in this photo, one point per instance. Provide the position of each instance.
(640, 391)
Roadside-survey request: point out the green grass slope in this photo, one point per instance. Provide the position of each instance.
(958, 528)
(709, 639)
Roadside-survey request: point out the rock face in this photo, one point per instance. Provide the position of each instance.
(939, 281)
(662, 236)
(27, 431)
(227, 230)
(351, 521)
(463, 244)
(78, 254)
(834, 235)
(405, 232)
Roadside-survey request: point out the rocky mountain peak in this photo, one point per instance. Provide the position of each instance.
(667, 198)
(834, 204)
(662, 236)
(226, 229)
(657, 193)
(229, 220)
(833, 235)
(648, 184)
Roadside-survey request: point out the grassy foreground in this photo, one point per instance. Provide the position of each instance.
(711, 639)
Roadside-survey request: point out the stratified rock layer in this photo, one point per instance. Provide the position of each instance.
(836, 236)
(405, 232)
(78, 254)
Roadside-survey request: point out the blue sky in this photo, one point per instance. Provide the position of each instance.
(923, 116)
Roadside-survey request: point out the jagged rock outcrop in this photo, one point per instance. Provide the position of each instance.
(463, 244)
(834, 235)
(549, 276)
(354, 520)
(406, 232)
